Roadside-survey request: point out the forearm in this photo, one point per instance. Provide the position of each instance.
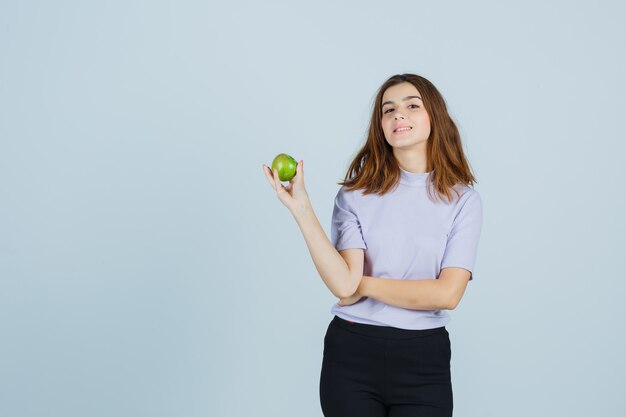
(331, 267)
(424, 294)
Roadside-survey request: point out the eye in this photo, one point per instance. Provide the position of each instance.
(391, 108)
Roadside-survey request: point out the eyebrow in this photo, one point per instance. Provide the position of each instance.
(404, 99)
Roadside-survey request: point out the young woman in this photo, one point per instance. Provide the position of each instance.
(404, 238)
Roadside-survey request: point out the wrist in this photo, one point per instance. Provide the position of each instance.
(303, 212)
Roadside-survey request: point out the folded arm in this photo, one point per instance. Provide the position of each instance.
(443, 293)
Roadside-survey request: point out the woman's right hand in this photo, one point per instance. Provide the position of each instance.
(293, 196)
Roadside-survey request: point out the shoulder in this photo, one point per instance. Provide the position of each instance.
(470, 201)
(344, 198)
(467, 193)
(345, 195)
(464, 198)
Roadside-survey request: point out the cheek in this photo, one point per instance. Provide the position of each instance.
(425, 121)
(386, 125)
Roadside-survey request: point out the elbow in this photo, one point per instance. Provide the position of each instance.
(451, 304)
(341, 293)
(344, 292)
(450, 298)
(347, 290)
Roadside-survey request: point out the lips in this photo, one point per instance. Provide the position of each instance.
(401, 126)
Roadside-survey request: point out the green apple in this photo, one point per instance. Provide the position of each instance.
(286, 166)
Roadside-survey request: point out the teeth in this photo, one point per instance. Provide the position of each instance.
(403, 128)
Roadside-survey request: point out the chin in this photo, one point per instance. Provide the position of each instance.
(401, 144)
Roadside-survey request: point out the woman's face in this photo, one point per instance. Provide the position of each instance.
(402, 106)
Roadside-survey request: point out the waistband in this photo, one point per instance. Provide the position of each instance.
(387, 332)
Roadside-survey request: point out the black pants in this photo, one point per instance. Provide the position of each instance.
(379, 371)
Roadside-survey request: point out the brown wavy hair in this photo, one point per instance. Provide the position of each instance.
(375, 169)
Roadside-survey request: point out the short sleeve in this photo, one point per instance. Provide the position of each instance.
(462, 244)
(345, 230)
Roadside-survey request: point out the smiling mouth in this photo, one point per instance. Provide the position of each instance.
(400, 132)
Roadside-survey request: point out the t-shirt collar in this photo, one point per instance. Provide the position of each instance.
(414, 179)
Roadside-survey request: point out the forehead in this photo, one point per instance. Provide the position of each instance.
(399, 91)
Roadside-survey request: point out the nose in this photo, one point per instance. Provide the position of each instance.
(398, 115)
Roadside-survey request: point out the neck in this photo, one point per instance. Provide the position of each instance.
(414, 162)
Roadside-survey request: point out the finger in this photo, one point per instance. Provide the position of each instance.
(299, 171)
(266, 170)
(279, 185)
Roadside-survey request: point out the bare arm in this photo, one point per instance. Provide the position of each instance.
(424, 294)
(444, 293)
(331, 265)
